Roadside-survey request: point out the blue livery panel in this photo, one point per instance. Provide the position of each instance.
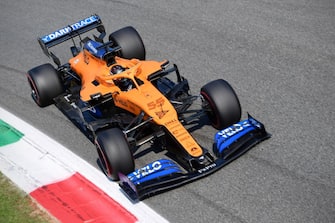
(158, 169)
(245, 133)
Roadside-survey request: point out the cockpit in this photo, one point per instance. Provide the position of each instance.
(125, 84)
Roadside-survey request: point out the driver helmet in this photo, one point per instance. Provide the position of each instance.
(116, 69)
(123, 83)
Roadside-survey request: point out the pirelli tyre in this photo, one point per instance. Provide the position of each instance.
(45, 84)
(114, 153)
(130, 42)
(221, 103)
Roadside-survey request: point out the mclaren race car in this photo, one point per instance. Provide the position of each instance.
(122, 101)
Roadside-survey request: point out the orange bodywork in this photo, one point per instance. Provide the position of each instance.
(96, 79)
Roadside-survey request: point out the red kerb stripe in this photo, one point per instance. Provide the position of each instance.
(76, 199)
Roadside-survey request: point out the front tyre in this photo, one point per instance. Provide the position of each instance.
(114, 153)
(45, 84)
(221, 103)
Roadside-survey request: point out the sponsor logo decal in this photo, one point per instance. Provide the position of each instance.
(161, 114)
(66, 30)
(90, 45)
(206, 168)
(171, 122)
(148, 169)
(230, 131)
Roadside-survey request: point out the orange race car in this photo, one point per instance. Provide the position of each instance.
(122, 101)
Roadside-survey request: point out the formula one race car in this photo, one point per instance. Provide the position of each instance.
(122, 101)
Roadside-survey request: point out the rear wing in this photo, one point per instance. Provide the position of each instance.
(71, 31)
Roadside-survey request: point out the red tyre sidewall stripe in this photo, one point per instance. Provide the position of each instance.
(101, 153)
(32, 83)
(205, 95)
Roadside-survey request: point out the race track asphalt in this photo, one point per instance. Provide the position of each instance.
(278, 55)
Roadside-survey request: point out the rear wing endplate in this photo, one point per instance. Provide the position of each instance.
(70, 32)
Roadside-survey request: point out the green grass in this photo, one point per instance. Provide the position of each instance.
(16, 206)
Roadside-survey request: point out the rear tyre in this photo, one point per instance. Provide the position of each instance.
(130, 42)
(114, 153)
(221, 103)
(45, 84)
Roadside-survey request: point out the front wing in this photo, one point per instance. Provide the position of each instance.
(165, 174)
